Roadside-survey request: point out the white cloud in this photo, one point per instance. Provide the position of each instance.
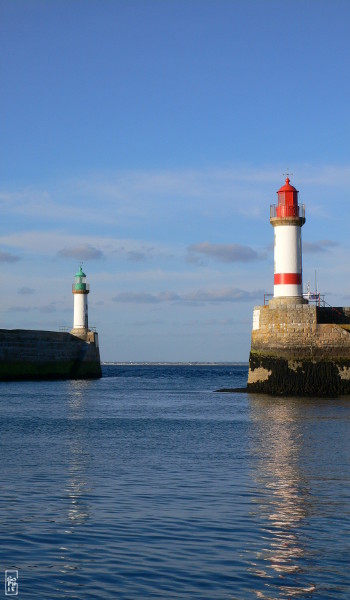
(224, 252)
(196, 296)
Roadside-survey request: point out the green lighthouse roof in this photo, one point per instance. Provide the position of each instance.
(80, 273)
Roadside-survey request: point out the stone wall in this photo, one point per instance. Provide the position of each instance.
(300, 348)
(31, 354)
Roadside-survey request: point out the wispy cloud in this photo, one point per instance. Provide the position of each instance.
(223, 252)
(135, 198)
(319, 246)
(222, 295)
(140, 253)
(135, 256)
(46, 308)
(87, 247)
(196, 296)
(23, 291)
(211, 322)
(326, 175)
(147, 323)
(8, 257)
(82, 252)
(145, 298)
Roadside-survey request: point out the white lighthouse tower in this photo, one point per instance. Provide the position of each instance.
(287, 219)
(80, 291)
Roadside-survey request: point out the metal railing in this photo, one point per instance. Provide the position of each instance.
(312, 298)
(315, 298)
(266, 296)
(281, 211)
(66, 329)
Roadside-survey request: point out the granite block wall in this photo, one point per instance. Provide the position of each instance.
(31, 354)
(301, 348)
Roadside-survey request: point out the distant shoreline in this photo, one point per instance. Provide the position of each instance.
(169, 364)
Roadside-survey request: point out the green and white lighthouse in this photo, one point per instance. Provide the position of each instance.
(80, 291)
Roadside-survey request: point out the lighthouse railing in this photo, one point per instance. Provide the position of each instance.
(282, 211)
(67, 329)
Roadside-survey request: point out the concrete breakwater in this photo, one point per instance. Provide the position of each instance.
(31, 354)
(300, 349)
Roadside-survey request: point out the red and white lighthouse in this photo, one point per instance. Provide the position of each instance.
(287, 219)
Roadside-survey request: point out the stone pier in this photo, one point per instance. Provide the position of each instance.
(31, 354)
(300, 349)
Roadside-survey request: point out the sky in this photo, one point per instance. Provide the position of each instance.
(146, 139)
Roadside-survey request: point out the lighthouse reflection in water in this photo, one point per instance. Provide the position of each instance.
(78, 457)
(292, 456)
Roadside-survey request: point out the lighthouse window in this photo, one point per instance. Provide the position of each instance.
(281, 198)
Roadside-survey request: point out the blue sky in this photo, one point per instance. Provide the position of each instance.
(147, 138)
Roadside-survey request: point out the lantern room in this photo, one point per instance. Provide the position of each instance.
(80, 286)
(287, 201)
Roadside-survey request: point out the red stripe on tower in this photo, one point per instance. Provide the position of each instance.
(287, 278)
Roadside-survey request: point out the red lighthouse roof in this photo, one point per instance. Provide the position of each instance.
(287, 187)
(287, 201)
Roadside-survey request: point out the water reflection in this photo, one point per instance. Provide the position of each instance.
(77, 488)
(284, 502)
(78, 456)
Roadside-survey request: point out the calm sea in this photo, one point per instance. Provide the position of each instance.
(148, 484)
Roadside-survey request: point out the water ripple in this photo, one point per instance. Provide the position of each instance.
(147, 484)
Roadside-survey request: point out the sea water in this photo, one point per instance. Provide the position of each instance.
(149, 484)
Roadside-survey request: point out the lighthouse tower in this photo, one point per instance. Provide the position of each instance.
(298, 348)
(80, 291)
(287, 219)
